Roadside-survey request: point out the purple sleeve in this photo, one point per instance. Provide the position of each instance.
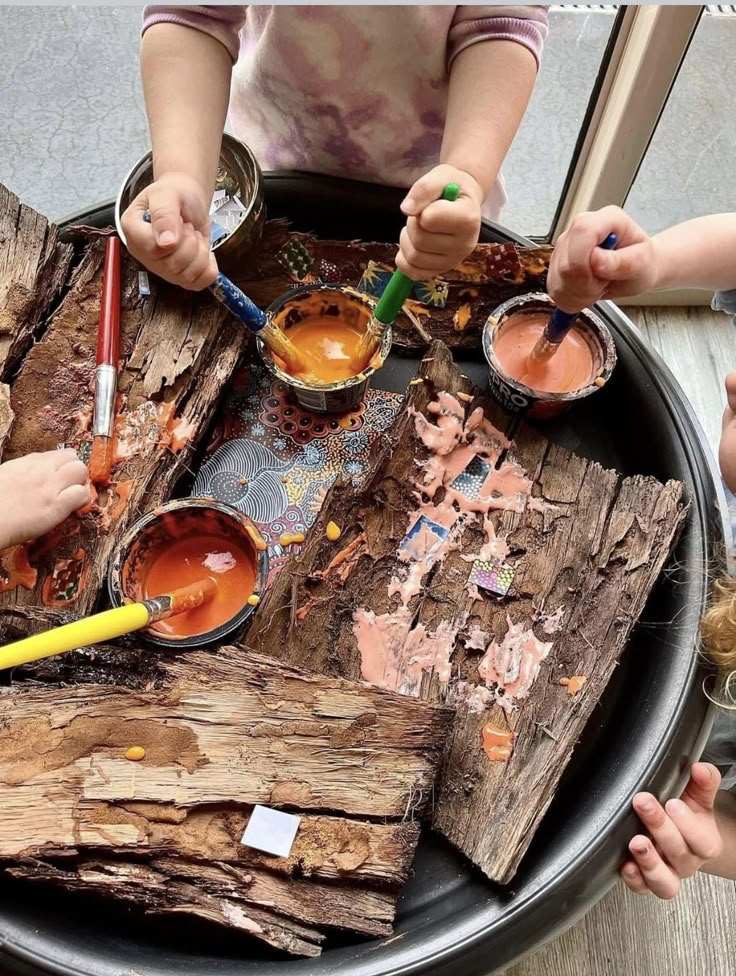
(525, 25)
(221, 22)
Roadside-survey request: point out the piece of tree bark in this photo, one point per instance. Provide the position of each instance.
(221, 733)
(178, 351)
(6, 416)
(490, 276)
(34, 268)
(585, 561)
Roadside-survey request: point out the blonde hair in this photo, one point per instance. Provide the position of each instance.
(719, 636)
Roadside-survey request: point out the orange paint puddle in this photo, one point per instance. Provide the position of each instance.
(573, 684)
(328, 346)
(498, 745)
(571, 367)
(15, 570)
(188, 561)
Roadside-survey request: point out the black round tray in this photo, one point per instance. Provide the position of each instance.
(649, 725)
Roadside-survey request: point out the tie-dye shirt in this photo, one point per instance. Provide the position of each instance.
(353, 91)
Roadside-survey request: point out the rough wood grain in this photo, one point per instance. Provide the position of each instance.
(178, 351)
(491, 275)
(6, 416)
(256, 731)
(33, 270)
(594, 547)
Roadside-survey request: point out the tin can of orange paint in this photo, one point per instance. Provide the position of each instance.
(516, 397)
(318, 301)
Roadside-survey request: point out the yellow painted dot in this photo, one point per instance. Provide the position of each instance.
(332, 531)
(289, 538)
(253, 600)
(599, 381)
(135, 753)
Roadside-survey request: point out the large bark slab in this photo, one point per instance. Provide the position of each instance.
(34, 268)
(178, 351)
(221, 733)
(586, 551)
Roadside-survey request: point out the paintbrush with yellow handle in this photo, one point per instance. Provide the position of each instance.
(107, 625)
(391, 301)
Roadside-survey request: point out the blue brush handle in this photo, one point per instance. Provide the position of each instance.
(238, 303)
(234, 300)
(561, 322)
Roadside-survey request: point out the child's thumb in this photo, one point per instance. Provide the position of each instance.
(618, 265)
(704, 783)
(425, 191)
(166, 220)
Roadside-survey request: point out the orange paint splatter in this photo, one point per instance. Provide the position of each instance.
(121, 492)
(573, 684)
(15, 570)
(180, 434)
(461, 318)
(498, 744)
(67, 580)
(258, 541)
(344, 562)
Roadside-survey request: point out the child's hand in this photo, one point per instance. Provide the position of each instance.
(439, 234)
(581, 273)
(727, 447)
(684, 835)
(175, 245)
(38, 492)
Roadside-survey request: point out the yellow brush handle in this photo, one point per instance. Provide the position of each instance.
(92, 630)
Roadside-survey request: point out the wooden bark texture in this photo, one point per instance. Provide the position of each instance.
(491, 275)
(256, 731)
(595, 550)
(178, 351)
(34, 268)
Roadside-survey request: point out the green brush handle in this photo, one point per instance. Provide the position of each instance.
(399, 286)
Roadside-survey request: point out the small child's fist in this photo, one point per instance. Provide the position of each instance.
(581, 273)
(175, 245)
(439, 234)
(684, 835)
(38, 492)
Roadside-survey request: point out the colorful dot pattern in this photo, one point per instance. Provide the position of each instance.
(491, 576)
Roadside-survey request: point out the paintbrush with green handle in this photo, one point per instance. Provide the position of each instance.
(391, 301)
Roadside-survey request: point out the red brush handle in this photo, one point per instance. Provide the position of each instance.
(108, 334)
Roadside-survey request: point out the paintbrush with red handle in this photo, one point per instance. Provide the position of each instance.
(106, 373)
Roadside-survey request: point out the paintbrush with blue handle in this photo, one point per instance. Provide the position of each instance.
(253, 318)
(561, 322)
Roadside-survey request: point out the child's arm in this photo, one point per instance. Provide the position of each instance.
(493, 67)
(39, 491)
(699, 253)
(186, 62)
(686, 835)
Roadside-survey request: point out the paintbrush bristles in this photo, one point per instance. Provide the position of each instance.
(192, 596)
(100, 462)
(368, 343)
(280, 344)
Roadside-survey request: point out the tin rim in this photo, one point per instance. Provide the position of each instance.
(230, 146)
(541, 299)
(114, 575)
(363, 376)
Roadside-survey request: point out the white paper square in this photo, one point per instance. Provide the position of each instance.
(271, 831)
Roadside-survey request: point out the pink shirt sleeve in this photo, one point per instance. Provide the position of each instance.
(221, 22)
(527, 25)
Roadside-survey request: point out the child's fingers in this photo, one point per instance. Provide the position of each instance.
(621, 265)
(633, 878)
(164, 206)
(74, 472)
(461, 218)
(664, 832)
(698, 829)
(58, 459)
(72, 498)
(428, 241)
(704, 783)
(420, 262)
(660, 879)
(426, 189)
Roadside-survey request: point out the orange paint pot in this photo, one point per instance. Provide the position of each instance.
(582, 365)
(326, 323)
(181, 543)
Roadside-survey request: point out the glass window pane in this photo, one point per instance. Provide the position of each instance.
(690, 165)
(538, 161)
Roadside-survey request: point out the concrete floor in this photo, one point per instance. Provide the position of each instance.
(74, 121)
